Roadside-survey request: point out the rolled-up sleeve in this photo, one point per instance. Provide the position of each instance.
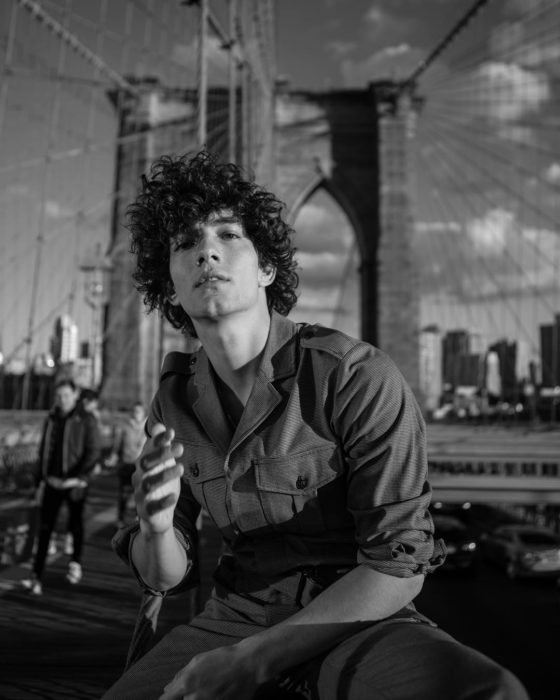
(384, 440)
(122, 545)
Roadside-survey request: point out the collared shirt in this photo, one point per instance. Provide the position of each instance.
(327, 464)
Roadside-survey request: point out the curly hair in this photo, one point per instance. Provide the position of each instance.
(180, 192)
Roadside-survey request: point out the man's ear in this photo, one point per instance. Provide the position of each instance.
(266, 275)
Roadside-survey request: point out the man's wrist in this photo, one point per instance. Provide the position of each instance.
(254, 649)
(149, 534)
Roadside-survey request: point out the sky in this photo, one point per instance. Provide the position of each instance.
(486, 156)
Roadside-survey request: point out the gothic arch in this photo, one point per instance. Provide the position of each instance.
(320, 182)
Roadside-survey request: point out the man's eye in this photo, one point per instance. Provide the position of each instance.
(182, 244)
(229, 234)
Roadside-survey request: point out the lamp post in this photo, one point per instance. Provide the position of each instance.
(96, 270)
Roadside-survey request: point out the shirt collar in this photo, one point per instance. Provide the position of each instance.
(279, 356)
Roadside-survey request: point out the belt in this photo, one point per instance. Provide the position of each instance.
(301, 584)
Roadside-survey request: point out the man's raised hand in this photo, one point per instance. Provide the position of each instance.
(157, 481)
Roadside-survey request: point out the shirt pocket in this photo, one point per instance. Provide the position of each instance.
(204, 474)
(303, 492)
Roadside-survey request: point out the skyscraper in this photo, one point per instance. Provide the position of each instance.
(64, 343)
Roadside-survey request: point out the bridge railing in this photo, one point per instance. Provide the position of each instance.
(503, 464)
(524, 475)
(18, 507)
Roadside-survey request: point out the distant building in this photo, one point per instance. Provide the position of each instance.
(64, 343)
(506, 354)
(430, 375)
(550, 352)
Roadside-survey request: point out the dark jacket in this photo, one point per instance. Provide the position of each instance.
(81, 448)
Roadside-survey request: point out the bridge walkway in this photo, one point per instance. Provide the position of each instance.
(72, 641)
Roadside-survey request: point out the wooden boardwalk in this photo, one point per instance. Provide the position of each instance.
(71, 642)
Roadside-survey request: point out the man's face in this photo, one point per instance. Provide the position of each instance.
(215, 269)
(66, 398)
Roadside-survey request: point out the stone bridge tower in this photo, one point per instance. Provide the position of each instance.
(355, 145)
(352, 143)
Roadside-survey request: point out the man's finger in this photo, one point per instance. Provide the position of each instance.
(161, 478)
(168, 501)
(157, 429)
(164, 437)
(162, 455)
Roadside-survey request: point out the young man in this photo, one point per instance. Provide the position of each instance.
(306, 448)
(69, 450)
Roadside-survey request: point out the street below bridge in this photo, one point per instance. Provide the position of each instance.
(72, 641)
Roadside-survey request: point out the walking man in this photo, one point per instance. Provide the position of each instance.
(69, 450)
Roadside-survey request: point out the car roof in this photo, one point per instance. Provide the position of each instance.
(526, 527)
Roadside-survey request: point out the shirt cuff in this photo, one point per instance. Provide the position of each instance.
(122, 544)
(402, 560)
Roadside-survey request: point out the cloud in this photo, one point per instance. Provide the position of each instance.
(321, 270)
(437, 226)
(506, 92)
(511, 40)
(489, 234)
(341, 48)
(290, 111)
(217, 57)
(521, 135)
(375, 16)
(552, 174)
(318, 297)
(522, 7)
(56, 211)
(17, 189)
(395, 62)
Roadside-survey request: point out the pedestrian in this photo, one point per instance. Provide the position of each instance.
(130, 439)
(306, 448)
(69, 450)
(89, 402)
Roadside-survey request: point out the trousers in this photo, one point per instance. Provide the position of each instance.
(50, 507)
(404, 657)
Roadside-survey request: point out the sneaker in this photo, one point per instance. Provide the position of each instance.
(32, 585)
(68, 544)
(74, 574)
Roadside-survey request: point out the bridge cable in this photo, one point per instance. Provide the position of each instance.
(411, 81)
(71, 40)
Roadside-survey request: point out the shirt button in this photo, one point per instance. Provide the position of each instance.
(194, 470)
(301, 482)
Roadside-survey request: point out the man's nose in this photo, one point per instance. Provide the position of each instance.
(206, 253)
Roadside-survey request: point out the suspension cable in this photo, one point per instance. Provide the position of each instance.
(410, 82)
(67, 37)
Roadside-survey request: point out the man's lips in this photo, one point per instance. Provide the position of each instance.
(210, 277)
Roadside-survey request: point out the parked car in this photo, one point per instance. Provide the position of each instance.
(523, 550)
(462, 545)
